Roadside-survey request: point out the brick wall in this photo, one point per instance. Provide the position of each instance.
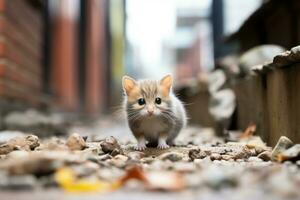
(20, 52)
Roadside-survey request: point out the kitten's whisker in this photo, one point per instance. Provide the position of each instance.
(169, 117)
(133, 116)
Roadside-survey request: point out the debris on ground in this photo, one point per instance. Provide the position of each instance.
(283, 144)
(200, 161)
(41, 124)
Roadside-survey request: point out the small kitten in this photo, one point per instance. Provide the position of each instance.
(155, 115)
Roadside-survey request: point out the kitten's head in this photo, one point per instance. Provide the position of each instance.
(147, 98)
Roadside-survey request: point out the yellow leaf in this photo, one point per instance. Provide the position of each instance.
(67, 179)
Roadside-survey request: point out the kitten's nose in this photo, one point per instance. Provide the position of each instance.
(150, 112)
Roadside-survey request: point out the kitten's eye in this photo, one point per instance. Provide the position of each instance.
(141, 101)
(158, 100)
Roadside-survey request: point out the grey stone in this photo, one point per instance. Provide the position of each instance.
(76, 142)
(196, 154)
(135, 155)
(111, 145)
(215, 156)
(283, 144)
(172, 156)
(18, 182)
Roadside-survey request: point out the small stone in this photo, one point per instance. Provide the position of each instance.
(226, 157)
(17, 154)
(215, 156)
(136, 155)
(105, 157)
(76, 142)
(119, 160)
(6, 148)
(257, 143)
(206, 160)
(172, 156)
(216, 178)
(18, 182)
(86, 169)
(38, 163)
(109, 174)
(121, 157)
(27, 143)
(265, 156)
(147, 160)
(161, 165)
(53, 144)
(185, 167)
(283, 144)
(254, 159)
(110, 144)
(196, 154)
(32, 141)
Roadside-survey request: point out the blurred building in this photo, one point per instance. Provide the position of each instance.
(21, 52)
(275, 22)
(63, 54)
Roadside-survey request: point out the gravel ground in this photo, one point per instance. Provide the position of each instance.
(105, 165)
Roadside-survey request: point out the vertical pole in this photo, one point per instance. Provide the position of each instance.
(217, 16)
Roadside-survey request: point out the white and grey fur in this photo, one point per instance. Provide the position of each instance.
(168, 119)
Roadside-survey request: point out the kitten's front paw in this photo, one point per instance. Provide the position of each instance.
(163, 146)
(140, 147)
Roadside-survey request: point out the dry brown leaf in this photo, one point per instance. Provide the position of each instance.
(155, 180)
(134, 173)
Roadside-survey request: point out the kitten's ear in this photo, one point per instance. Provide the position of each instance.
(166, 82)
(128, 84)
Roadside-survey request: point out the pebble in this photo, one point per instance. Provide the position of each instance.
(110, 145)
(86, 169)
(6, 148)
(18, 182)
(215, 156)
(254, 159)
(32, 141)
(136, 155)
(172, 156)
(226, 157)
(196, 154)
(110, 174)
(76, 142)
(147, 160)
(28, 143)
(218, 177)
(283, 144)
(53, 144)
(185, 167)
(119, 161)
(17, 154)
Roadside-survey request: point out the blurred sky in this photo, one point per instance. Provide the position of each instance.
(154, 36)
